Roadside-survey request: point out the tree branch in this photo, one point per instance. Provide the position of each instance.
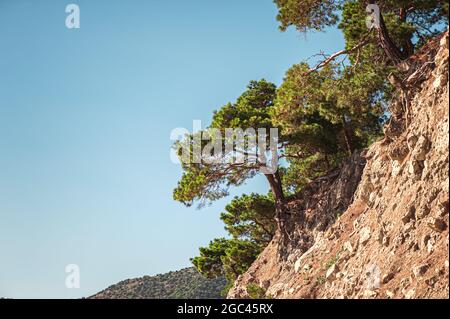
(364, 41)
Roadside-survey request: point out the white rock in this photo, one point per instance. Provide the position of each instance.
(364, 235)
(414, 167)
(348, 246)
(430, 246)
(410, 294)
(389, 294)
(437, 82)
(331, 272)
(396, 168)
(369, 294)
(297, 265)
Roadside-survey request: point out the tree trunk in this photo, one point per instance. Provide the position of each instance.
(277, 190)
(408, 49)
(347, 136)
(327, 162)
(390, 48)
(388, 45)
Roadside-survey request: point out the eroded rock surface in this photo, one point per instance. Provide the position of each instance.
(379, 227)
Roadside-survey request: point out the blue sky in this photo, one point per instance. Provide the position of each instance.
(85, 122)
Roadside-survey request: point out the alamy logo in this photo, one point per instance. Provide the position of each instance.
(73, 276)
(73, 19)
(373, 20)
(237, 146)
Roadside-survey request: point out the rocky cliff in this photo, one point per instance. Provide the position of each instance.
(378, 227)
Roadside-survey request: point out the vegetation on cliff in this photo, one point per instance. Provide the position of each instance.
(323, 112)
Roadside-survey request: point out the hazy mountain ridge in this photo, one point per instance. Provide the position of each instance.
(182, 284)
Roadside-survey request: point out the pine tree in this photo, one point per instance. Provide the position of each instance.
(249, 220)
(208, 181)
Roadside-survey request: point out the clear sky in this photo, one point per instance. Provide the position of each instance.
(85, 122)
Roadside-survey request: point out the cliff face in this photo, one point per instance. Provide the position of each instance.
(378, 227)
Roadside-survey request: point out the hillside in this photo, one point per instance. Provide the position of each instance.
(182, 284)
(378, 228)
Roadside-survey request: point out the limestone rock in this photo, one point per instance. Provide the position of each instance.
(396, 193)
(364, 235)
(348, 246)
(331, 272)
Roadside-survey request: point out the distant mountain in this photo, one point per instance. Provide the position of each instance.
(183, 284)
